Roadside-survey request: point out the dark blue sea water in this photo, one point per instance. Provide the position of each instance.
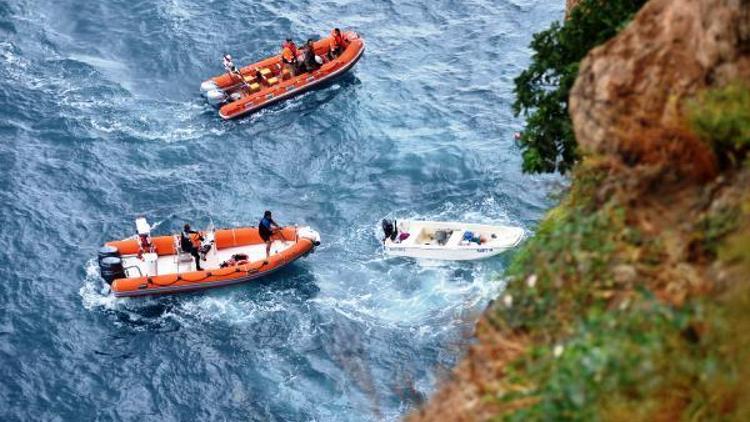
(101, 121)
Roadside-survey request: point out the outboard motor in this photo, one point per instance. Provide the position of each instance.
(106, 251)
(208, 85)
(389, 229)
(216, 96)
(111, 269)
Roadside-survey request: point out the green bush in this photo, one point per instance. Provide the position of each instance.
(633, 363)
(548, 142)
(722, 116)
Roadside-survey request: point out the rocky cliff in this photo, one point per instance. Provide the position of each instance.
(631, 301)
(627, 100)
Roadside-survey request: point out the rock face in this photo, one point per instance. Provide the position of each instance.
(627, 98)
(569, 5)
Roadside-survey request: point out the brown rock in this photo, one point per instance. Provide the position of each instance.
(627, 100)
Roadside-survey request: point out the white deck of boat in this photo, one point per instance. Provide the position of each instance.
(170, 264)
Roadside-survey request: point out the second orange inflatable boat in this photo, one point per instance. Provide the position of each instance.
(237, 97)
(229, 256)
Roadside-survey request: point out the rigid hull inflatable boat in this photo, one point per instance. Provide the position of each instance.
(228, 256)
(237, 97)
(448, 240)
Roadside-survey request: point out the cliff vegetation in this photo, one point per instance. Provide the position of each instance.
(632, 300)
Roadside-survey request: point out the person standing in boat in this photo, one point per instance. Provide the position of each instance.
(229, 66)
(186, 244)
(266, 230)
(289, 55)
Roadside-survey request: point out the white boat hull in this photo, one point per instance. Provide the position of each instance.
(423, 243)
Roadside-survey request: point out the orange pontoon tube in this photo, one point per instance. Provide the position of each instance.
(145, 266)
(239, 97)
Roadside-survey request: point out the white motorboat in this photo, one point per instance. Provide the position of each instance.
(448, 240)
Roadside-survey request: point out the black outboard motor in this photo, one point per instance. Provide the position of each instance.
(389, 230)
(111, 269)
(106, 251)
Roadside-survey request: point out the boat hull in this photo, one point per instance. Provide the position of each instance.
(172, 272)
(422, 243)
(250, 103)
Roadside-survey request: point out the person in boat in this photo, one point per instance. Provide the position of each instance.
(266, 230)
(145, 245)
(311, 61)
(289, 55)
(187, 245)
(338, 43)
(229, 66)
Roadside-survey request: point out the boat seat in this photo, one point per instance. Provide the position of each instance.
(180, 256)
(254, 87)
(266, 73)
(455, 238)
(272, 81)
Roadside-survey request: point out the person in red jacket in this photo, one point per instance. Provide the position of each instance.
(289, 55)
(338, 43)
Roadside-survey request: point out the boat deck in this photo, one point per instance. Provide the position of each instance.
(172, 264)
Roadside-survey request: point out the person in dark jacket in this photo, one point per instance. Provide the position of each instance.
(266, 230)
(186, 244)
(310, 61)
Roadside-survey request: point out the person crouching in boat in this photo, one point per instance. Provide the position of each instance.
(266, 230)
(289, 55)
(338, 44)
(187, 245)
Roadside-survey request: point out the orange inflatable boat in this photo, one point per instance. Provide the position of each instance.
(146, 266)
(268, 81)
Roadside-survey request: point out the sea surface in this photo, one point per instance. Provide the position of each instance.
(101, 121)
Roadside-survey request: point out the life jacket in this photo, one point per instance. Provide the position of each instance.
(188, 240)
(339, 41)
(288, 55)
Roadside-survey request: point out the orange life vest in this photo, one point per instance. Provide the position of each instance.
(289, 52)
(338, 40)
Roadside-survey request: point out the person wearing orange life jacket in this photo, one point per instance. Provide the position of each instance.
(188, 246)
(289, 55)
(338, 43)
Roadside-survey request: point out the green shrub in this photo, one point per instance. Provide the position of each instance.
(636, 362)
(548, 142)
(722, 116)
